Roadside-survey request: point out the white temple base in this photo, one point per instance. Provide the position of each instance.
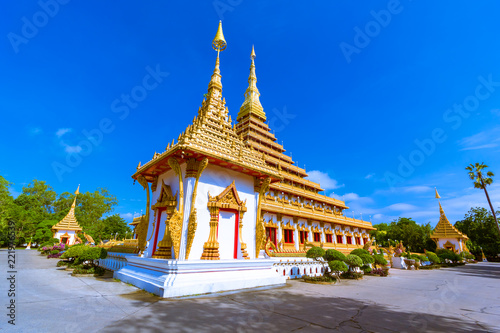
(399, 262)
(173, 278)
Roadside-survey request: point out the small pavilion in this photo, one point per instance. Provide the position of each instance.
(446, 235)
(66, 230)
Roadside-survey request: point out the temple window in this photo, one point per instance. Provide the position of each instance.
(358, 240)
(329, 238)
(349, 239)
(271, 234)
(317, 237)
(288, 235)
(339, 239)
(365, 240)
(303, 236)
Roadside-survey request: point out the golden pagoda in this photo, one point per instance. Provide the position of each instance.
(66, 230)
(446, 235)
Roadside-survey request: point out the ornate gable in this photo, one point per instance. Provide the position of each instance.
(228, 199)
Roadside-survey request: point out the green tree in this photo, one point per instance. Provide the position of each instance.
(43, 231)
(92, 206)
(415, 237)
(478, 225)
(111, 225)
(6, 209)
(481, 181)
(33, 206)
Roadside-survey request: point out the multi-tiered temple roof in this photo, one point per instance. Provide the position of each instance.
(69, 222)
(444, 229)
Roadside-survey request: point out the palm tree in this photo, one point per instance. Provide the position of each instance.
(481, 181)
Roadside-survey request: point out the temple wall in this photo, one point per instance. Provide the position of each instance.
(442, 244)
(214, 180)
(71, 234)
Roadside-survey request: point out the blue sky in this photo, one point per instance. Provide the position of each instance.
(381, 101)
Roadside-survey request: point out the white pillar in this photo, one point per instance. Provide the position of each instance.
(188, 194)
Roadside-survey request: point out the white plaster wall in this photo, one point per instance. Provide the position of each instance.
(71, 234)
(454, 241)
(214, 180)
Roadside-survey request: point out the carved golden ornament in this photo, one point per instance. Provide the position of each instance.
(316, 229)
(271, 224)
(303, 227)
(176, 220)
(260, 233)
(288, 225)
(175, 226)
(259, 223)
(192, 225)
(154, 184)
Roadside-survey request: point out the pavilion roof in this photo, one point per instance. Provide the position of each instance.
(444, 229)
(69, 222)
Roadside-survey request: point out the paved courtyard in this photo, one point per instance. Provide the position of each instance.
(461, 299)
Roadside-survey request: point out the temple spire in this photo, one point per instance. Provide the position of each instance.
(74, 200)
(252, 105)
(215, 86)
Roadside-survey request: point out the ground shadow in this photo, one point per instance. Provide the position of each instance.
(283, 310)
(486, 270)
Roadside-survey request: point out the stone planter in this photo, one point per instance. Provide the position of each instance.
(410, 263)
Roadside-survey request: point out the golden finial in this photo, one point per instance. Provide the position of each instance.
(437, 194)
(219, 43)
(77, 190)
(252, 56)
(139, 165)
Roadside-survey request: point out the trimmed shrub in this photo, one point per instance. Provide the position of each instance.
(96, 270)
(61, 263)
(433, 258)
(315, 253)
(444, 254)
(367, 259)
(359, 252)
(337, 266)
(366, 269)
(353, 261)
(323, 278)
(380, 260)
(331, 255)
(351, 275)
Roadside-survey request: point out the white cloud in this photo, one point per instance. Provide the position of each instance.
(323, 179)
(370, 175)
(482, 140)
(127, 216)
(406, 189)
(72, 149)
(488, 145)
(60, 132)
(404, 207)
